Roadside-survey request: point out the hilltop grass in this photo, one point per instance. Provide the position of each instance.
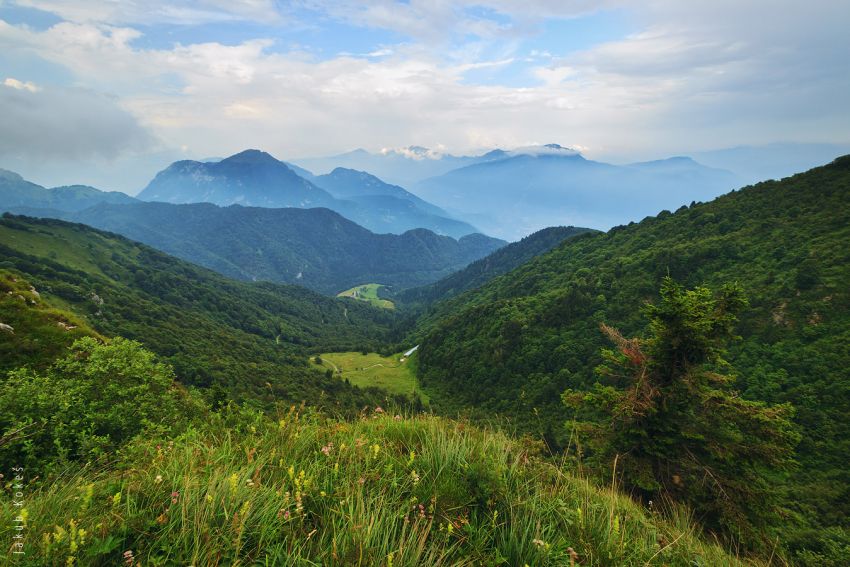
(369, 294)
(381, 491)
(388, 373)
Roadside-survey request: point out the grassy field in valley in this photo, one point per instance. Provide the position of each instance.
(368, 293)
(392, 373)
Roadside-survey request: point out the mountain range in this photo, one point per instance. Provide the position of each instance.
(525, 191)
(316, 248)
(256, 179)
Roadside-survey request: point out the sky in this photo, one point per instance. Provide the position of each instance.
(107, 92)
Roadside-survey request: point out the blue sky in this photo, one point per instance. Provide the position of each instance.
(123, 86)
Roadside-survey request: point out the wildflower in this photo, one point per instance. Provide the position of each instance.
(397, 417)
(412, 457)
(291, 472)
(323, 493)
(249, 483)
(415, 476)
(361, 480)
(328, 448)
(116, 500)
(233, 480)
(379, 409)
(376, 449)
(174, 496)
(209, 498)
(390, 557)
(128, 557)
(158, 479)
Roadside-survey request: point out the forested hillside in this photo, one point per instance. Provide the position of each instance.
(237, 340)
(499, 262)
(314, 248)
(515, 345)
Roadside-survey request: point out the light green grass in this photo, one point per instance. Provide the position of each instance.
(388, 373)
(378, 491)
(368, 293)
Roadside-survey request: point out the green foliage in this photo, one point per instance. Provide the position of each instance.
(672, 425)
(249, 340)
(87, 405)
(243, 489)
(514, 345)
(315, 248)
(499, 262)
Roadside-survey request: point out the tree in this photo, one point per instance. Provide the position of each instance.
(674, 426)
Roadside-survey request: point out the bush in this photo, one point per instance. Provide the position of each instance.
(88, 404)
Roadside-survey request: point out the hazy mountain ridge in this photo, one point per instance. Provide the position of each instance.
(256, 179)
(316, 248)
(521, 193)
(16, 192)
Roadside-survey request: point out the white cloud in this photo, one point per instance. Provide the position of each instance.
(21, 85)
(704, 75)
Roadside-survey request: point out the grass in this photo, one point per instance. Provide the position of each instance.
(394, 374)
(243, 489)
(368, 293)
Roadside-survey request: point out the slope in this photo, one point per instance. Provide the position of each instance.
(316, 248)
(243, 489)
(499, 262)
(514, 345)
(243, 340)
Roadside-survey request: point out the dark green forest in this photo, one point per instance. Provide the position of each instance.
(513, 346)
(236, 340)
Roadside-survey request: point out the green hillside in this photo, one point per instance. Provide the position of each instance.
(34, 330)
(237, 340)
(242, 489)
(499, 262)
(515, 345)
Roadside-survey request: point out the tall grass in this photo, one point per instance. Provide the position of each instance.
(300, 489)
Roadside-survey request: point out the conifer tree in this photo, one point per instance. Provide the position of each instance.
(668, 416)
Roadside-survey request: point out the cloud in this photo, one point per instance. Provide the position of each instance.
(180, 12)
(20, 85)
(694, 75)
(64, 124)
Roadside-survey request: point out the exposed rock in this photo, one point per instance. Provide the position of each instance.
(7, 328)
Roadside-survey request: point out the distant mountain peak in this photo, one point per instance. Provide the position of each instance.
(10, 175)
(252, 157)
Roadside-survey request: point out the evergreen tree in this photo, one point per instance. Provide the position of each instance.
(670, 423)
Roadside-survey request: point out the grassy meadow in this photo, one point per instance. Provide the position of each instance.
(369, 294)
(394, 374)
